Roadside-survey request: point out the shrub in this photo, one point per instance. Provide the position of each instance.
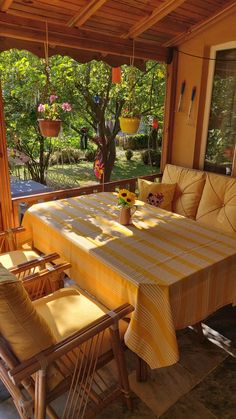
(129, 154)
(90, 155)
(66, 156)
(135, 142)
(151, 157)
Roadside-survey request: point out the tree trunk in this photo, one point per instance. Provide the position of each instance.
(110, 158)
(41, 161)
(107, 149)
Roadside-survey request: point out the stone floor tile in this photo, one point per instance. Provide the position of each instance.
(217, 390)
(188, 408)
(199, 357)
(118, 410)
(220, 328)
(8, 410)
(164, 387)
(4, 394)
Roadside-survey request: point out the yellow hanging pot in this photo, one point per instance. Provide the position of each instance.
(129, 125)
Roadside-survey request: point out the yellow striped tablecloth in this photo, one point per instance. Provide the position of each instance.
(173, 270)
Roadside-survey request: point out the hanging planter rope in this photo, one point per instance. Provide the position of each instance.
(49, 127)
(130, 116)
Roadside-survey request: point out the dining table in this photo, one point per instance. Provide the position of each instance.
(173, 270)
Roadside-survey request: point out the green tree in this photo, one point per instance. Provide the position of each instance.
(22, 79)
(96, 102)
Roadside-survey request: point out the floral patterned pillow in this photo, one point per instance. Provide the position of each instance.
(158, 194)
(155, 199)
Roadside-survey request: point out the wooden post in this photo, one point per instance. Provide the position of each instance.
(6, 215)
(169, 111)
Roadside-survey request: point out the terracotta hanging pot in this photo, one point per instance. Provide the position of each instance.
(116, 75)
(49, 127)
(129, 125)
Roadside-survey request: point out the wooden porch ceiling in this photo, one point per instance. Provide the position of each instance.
(105, 29)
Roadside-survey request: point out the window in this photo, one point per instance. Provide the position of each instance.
(221, 134)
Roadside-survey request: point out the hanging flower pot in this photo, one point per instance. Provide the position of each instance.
(49, 127)
(129, 125)
(116, 75)
(51, 113)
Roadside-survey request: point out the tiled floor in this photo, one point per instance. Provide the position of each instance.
(201, 386)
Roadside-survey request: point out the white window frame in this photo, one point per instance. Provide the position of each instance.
(211, 71)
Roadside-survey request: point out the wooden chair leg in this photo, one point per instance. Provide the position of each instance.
(199, 330)
(40, 394)
(141, 370)
(121, 365)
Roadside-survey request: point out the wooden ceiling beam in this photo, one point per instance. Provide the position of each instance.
(193, 30)
(78, 55)
(5, 5)
(33, 31)
(157, 14)
(85, 13)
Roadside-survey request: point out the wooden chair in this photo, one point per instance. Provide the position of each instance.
(55, 359)
(25, 262)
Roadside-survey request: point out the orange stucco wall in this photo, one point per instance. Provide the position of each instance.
(190, 69)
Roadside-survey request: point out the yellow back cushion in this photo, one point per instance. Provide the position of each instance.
(164, 191)
(188, 191)
(217, 207)
(24, 329)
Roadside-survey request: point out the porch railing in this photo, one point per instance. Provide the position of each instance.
(19, 205)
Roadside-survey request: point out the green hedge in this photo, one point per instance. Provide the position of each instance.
(140, 141)
(151, 157)
(135, 142)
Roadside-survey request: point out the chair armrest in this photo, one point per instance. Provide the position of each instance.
(28, 266)
(60, 267)
(32, 365)
(45, 281)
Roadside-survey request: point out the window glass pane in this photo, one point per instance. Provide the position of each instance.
(222, 122)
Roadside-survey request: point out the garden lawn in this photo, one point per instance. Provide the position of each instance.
(81, 174)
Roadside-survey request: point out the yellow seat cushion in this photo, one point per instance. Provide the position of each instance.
(153, 193)
(67, 311)
(24, 329)
(188, 190)
(217, 208)
(15, 257)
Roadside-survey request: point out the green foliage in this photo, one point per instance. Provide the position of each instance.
(90, 155)
(152, 157)
(222, 122)
(24, 86)
(135, 142)
(129, 154)
(128, 112)
(66, 156)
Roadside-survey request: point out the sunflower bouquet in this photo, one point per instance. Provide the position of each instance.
(126, 199)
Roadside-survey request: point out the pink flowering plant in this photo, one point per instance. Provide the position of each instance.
(130, 112)
(53, 110)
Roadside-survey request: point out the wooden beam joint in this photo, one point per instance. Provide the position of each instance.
(5, 5)
(34, 31)
(85, 13)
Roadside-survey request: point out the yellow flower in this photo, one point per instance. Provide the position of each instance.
(126, 198)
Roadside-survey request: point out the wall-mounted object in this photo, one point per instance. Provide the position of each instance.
(193, 95)
(183, 85)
